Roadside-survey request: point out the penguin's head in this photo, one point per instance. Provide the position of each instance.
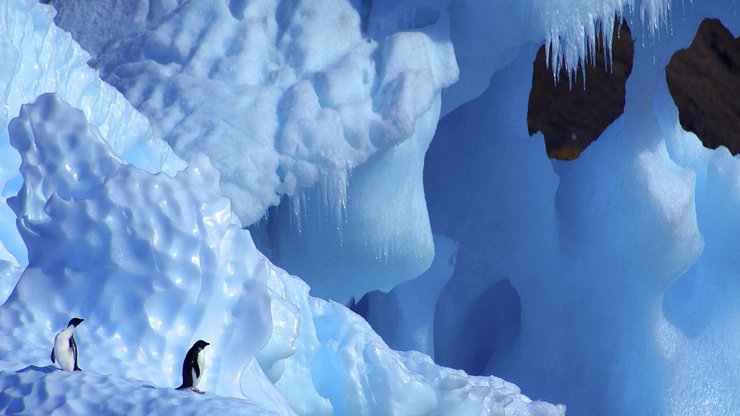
(200, 344)
(75, 322)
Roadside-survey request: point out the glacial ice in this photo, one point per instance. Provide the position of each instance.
(607, 283)
(154, 262)
(619, 259)
(286, 99)
(314, 91)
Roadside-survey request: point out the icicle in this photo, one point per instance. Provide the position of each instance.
(574, 30)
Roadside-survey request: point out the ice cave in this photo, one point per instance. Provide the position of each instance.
(370, 207)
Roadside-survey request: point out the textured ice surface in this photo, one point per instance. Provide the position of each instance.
(277, 94)
(325, 351)
(620, 260)
(385, 237)
(323, 103)
(151, 262)
(286, 98)
(44, 390)
(38, 57)
(154, 262)
(623, 262)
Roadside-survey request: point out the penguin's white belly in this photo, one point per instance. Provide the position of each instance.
(63, 353)
(201, 366)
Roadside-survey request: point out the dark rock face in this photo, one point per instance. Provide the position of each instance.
(704, 81)
(572, 118)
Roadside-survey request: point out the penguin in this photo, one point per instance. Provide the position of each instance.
(192, 367)
(64, 351)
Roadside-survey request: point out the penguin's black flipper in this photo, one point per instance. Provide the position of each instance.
(52, 355)
(73, 345)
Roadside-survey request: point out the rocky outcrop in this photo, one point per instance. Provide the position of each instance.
(704, 81)
(572, 114)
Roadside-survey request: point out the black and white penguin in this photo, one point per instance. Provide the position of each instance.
(192, 367)
(64, 351)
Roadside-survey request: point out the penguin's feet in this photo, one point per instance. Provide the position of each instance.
(198, 391)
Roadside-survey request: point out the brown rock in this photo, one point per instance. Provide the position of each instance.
(572, 118)
(704, 81)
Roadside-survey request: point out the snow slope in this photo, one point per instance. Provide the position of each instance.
(46, 390)
(154, 262)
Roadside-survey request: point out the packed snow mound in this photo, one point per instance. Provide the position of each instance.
(48, 390)
(151, 262)
(277, 94)
(38, 57)
(154, 262)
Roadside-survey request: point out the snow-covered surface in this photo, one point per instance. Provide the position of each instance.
(354, 368)
(285, 98)
(37, 390)
(277, 94)
(151, 262)
(154, 262)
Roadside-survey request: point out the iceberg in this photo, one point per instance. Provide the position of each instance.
(343, 198)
